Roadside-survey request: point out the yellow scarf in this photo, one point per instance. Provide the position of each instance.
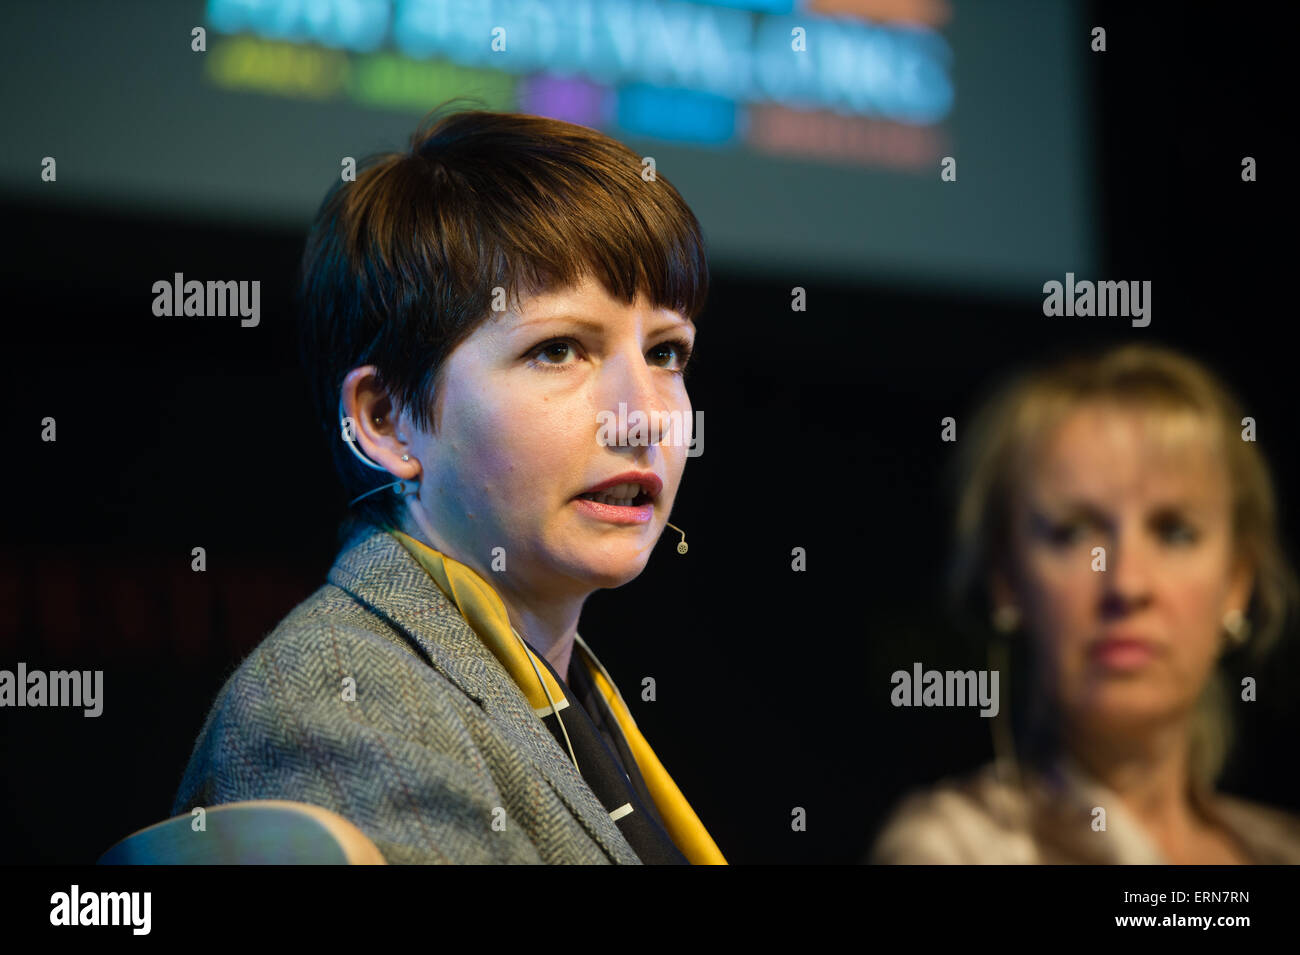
(486, 614)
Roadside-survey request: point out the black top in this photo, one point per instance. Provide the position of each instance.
(607, 765)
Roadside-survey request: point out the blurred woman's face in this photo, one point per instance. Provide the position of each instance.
(1131, 646)
(519, 439)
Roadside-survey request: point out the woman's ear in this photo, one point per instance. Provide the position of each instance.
(1240, 584)
(1001, 592)
(376, 428)
(362, 398)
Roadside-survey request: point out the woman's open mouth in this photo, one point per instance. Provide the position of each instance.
(619, 499)
(621, 504)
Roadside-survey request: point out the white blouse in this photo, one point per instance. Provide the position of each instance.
(991, 817)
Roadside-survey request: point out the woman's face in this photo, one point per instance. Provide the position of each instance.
(1130, 646)
(519, 438)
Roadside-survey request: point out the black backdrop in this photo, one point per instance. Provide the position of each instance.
(822, 433)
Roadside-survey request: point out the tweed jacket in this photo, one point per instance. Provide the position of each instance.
(439, 758)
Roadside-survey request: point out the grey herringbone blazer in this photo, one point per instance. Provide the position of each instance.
(438, 741)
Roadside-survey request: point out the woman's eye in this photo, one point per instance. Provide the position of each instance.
(679, 345)
(552, 353)
(1178, 532)
(1063, 535)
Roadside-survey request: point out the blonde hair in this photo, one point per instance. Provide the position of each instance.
(1174, 390)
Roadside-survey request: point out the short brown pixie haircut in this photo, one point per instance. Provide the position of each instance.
(401, 264)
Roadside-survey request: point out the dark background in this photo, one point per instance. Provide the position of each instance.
(823, 432)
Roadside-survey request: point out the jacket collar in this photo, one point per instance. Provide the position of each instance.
(380, 574)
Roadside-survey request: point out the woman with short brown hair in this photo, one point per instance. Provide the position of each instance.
(473, 312)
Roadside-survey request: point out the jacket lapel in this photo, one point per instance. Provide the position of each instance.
(377, 571)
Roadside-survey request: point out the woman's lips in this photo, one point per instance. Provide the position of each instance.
(614, 514)
(1122, 653)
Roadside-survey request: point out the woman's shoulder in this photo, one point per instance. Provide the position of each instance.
(988, 816)
(981, 817)
(333, 621)
(332, 648)
(1271, 834)
(335, 676)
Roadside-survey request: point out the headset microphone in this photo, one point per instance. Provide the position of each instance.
(681, 544)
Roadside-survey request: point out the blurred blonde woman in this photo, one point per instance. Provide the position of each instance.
(1113, 519)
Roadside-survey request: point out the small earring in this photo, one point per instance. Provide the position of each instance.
(1237, 626)
(378, 419)
(406, 457)
(1006, 619)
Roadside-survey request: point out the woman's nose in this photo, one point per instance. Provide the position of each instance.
(1128, 567)
(632, 392)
